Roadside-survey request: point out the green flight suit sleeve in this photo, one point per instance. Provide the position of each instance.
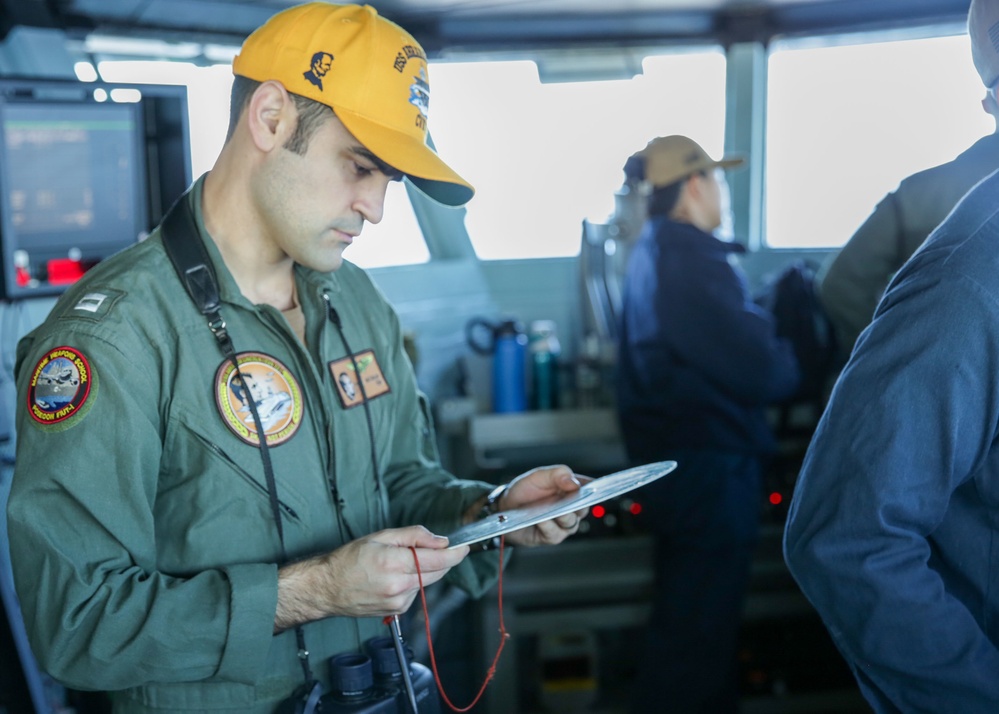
(81, 519)
(853, 282)
(420, 490)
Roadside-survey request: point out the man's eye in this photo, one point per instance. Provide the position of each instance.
(362, 170)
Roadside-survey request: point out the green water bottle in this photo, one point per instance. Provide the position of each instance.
(545, 351)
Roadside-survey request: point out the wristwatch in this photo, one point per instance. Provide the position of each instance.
(492, 504)
(489, 508)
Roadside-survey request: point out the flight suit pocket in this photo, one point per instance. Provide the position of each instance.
(261, 489)
(212, 510)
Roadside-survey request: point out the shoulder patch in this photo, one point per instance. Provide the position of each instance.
(275, 392)
(62, 388)
(95, 305)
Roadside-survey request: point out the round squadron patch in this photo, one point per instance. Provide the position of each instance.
(61, 387)
(274, 390)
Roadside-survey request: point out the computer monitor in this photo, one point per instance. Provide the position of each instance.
(81, 177)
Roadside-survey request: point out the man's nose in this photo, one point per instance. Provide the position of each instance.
(370, 201)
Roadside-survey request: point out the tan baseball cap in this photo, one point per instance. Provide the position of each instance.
(983, 28)
(370, 71)
(671, 158)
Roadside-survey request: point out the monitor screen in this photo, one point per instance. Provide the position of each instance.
(73, 187)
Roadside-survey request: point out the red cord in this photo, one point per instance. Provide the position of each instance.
(504, 635)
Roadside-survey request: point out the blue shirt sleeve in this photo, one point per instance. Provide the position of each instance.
(891, 527)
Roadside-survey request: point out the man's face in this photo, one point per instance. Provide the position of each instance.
(252, 386)
(725, 228)
(716, 198)
(348, 386)
(322, 65)
(312, 206)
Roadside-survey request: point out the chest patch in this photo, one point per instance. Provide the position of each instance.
(348, 380)
(61, 387)
(274, 390)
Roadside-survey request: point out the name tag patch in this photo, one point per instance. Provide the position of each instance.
(348, 380)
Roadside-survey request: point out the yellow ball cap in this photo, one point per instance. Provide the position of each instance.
(370, 71)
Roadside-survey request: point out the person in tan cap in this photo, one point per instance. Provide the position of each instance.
(853, 280)
(698, 362)
(224, 466)
(894, 521)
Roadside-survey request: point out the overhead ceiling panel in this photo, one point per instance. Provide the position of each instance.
(470, 24)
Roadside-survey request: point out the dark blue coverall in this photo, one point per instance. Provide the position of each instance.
(698, 362)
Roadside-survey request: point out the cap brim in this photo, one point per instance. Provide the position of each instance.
(410, 156)
(730, 162)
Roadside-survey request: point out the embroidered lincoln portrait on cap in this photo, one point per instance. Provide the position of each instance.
(321, 63)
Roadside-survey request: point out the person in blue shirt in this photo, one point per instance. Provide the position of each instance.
(698, 363)
(893, 530)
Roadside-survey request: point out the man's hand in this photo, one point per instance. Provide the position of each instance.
(540, 484)
(371, 576)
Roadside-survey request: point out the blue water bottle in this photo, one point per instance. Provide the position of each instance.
(506, 342)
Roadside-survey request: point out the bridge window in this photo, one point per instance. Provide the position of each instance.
(543, 157)
(846, 123)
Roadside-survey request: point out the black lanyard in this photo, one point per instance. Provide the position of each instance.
(190, 260)
(334, 317)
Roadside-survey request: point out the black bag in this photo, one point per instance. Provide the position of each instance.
(794, 302)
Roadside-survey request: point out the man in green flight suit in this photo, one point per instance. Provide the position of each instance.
(162, 550)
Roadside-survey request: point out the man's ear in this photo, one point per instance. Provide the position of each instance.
(684, 200)
(693, 189)
(271, 116)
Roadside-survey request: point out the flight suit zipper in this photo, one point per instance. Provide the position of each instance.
(277, 323)
(381, 501)
(338, 500)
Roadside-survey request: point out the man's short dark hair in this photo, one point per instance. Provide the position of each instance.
(663, 200)
(311, 114)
